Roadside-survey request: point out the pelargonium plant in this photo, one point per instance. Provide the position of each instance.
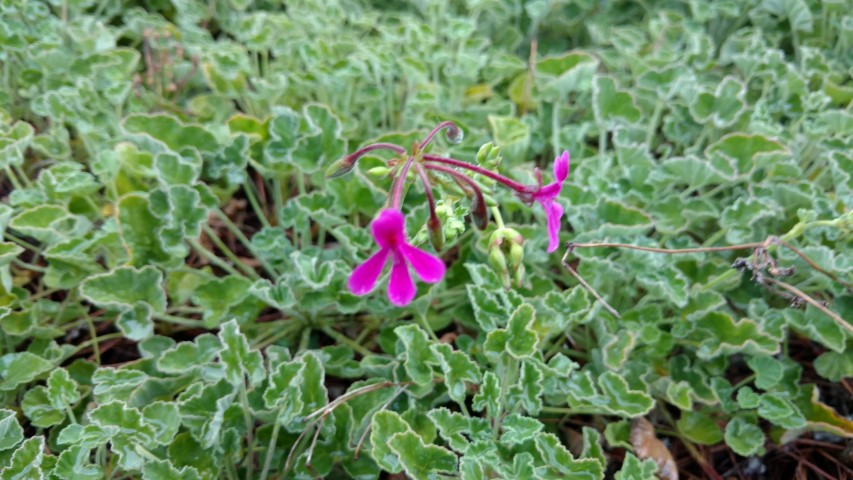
(389, 226)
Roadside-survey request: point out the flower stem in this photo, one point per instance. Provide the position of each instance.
(446, 124)
(428, 191)
(478, 200)
(498, 218)
(509, 183)
(399, 182)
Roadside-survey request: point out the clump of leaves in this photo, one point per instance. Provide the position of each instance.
(175, 267)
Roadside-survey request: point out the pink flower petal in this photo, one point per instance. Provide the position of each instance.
(548, 192)
(554, 211)
(429, 268)
(364, 277)
(389, 228)
(401, 288)
(561, 167)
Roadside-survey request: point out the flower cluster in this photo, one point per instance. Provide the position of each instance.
(389, 226)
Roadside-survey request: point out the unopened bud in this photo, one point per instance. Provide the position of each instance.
(340, 168)
(489, 156)
(516, 256)
(518, 275)
(479, 212)
(379, 171)
(436, 233)
(454, 134)
(497, 260)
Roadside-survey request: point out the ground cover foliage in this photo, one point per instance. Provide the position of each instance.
(174, 263)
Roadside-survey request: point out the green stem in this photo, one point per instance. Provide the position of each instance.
(250, 431)
(278, 201)
(185, 322)
(22, 174)
(13, 178)
(96, 349)
(653, 123)
(242, 238)
(271, 446)
(228, 253)
(209, 256)
(341, 338)
(496, 212)
(253, 201)
(94, 341)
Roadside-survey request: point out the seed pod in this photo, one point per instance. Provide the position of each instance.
(497, 260)
(436, 233)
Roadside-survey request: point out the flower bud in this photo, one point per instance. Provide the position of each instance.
(479, 212)
(379, 171)
(454, 134)
(516, 256)
(497, 260)
(436, 233)
(518, 275)
(340, 168)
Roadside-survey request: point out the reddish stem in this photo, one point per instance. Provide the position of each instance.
(399, 181)
(478, 201)
(428, 138)
(509, 183)
(428, 190)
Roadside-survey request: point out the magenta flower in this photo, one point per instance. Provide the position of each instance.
(389, 231)
(547, 195)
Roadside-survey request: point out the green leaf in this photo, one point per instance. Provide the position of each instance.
(615, 397)
(26, 461)
(11, 432)
(203, 411)
(719, 334)
(744, 437)
(699, 428)
(722, 107)
(795, 11)
(818, 326)
(384, 425)
(559, 458)
(238, 360)
(124, 287)
(521, 340)
(417, 355)
(528, 391)
(511, 135)
(171, 132)
(165, 470)
(780, 410)
(90, 436)
(74, 463)
(452, 425)
(8, 252)
(282, 393)
(835, 366)
(634, 469)
(137, 224)
(747, 398)
(489, 396)
(164, 419)
(457, 368)
(62, 389)
(20, 368)
(129, 421)
(418, 460)
(611, 105)
(39, 409)
(768, 371)
(518, 429)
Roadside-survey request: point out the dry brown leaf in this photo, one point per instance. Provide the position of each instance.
(647, 445)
